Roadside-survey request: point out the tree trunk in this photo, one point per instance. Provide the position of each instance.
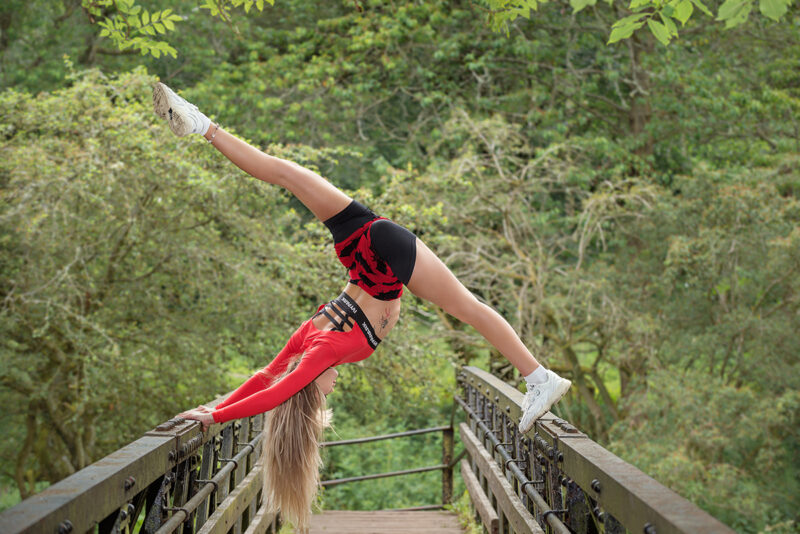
(640, 110)
(25, 485)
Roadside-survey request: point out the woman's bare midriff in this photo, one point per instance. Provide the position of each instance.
(383, 314)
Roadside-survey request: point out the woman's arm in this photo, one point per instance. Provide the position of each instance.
(311, 366)
(265, 377)
(258, 382)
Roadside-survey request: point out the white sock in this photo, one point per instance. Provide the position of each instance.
(539, 376)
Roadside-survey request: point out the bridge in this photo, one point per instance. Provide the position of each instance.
(554, 480)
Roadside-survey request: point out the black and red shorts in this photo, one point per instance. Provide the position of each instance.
(378, 253)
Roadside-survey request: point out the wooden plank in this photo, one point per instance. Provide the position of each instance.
(384, 522)
(256, 425)
(225, 451)
(205, 474)
(479, 499)
(225, 516)
(244, 437)
(260, 522)
(517, 515)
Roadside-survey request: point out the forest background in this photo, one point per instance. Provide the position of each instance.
(632, 208)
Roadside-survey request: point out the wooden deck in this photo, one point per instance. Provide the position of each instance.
(380, 522)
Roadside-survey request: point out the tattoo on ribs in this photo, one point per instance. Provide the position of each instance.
(384, 319)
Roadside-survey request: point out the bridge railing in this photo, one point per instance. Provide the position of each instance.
(446, 466)
(554, 478)
(173, 479)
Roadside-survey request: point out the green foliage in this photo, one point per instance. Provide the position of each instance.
(733, 456)
(466, 514)
(119, 241)
(222, 8)
(632, 210)
(661, 16)
(132, 27)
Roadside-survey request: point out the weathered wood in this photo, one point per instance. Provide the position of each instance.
(385, 522)
(243, 437)
(260, 521)
(225, 451)
(255, 427)
(479, 499)
(447, 472)
(518, 517)
(205, 474)
(86, 497)
(226, 515)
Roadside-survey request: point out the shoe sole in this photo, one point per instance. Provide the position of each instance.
(560, 392)
(162, 104)
(160, 101)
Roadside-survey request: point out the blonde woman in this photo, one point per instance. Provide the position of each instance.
(381, 258)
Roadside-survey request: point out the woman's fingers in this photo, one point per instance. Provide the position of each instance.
(203, 417)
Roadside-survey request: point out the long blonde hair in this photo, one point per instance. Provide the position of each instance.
(291, 458)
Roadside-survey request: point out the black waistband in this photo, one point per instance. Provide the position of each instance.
(349, 305)
(351, 309)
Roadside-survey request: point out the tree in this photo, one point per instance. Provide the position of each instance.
(130, 272)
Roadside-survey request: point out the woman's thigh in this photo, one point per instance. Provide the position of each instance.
(433, 281)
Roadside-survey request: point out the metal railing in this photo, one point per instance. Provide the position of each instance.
(448, 462)
(177, 479)
(173, 479)
(556, 479)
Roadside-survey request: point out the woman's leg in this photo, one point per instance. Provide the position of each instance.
(433, 281)
(315, 192)
(320, 196)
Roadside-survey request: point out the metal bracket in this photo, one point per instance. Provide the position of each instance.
(235, 463)
(544, 515)
(205, 482)
(531, 482)
(517, 461)
(502, 445)
(174, 509)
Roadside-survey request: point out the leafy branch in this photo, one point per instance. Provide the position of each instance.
(659, 15)
(132, 27)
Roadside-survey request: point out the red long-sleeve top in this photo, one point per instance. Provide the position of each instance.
(321, 349)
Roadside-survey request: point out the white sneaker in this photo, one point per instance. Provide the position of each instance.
(184, 118)
(540, 398)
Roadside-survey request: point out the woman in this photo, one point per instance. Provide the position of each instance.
(381, 258)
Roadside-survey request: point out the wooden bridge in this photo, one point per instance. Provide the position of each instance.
(554, 479)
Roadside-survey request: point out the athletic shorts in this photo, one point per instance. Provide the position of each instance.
(378, 254)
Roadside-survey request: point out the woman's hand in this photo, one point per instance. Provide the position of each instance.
(205, 418)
